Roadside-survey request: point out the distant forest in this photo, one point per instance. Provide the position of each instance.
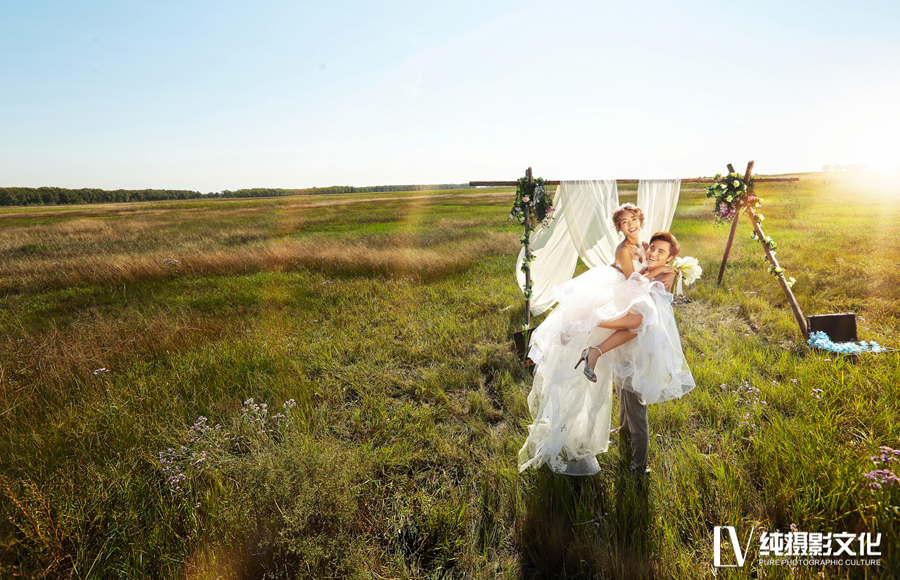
(62, 196)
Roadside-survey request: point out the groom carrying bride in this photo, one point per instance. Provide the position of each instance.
(632, 407)
(632, 322)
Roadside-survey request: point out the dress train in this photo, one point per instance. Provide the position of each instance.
(571, 414)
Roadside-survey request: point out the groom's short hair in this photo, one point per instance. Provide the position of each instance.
(674, 246)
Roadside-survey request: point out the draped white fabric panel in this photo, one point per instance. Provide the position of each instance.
(657, 198)
(589, 207)
(582, 227)
(555, 257)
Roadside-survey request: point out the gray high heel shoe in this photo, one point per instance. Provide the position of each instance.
(588, 372)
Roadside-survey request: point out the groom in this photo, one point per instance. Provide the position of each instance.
(633, 412)
(633, 420)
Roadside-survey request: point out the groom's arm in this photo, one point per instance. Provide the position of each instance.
(667, 278)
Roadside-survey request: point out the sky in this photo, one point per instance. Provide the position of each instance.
(222, 95)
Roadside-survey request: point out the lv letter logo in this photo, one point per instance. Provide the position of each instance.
(732, 536)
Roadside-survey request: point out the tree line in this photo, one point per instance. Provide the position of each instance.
(63, 196)
(261, 192)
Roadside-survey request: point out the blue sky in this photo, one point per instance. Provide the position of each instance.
(225, 95)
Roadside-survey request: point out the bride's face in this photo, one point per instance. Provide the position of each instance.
(630, 224)
(659, 253)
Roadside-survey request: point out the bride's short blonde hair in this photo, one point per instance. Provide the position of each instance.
(619, 214)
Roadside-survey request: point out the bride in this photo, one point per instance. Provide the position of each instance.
(617, 320)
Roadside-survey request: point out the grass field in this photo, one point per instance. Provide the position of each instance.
(324, 387)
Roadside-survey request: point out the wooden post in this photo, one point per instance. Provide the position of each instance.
(798, 314)
(528, 251)
(734, 224)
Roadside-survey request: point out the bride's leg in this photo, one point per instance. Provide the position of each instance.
(627, 322)
(618, 338)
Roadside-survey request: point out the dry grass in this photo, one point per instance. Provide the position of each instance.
(396, 256)
(50, 360)
(123, 243)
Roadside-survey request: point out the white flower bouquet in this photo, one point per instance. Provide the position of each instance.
(689, 270)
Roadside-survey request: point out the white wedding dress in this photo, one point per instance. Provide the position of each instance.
(571, 414)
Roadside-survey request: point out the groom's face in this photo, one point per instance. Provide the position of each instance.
(659, 253)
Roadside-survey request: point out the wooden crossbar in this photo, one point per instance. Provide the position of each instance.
(623, 181)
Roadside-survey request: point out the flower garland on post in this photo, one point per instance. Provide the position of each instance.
(732, 195)
(533, 206)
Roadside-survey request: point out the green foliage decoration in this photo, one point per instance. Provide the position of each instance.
(732, 195)
(533, 206)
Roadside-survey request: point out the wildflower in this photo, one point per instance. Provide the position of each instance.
(881, 477)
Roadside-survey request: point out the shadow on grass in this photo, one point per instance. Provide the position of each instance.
(588, 527)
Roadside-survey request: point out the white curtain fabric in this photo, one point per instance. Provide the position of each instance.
(555, 257)
(588, 214)
(582, 227)
(657, 198)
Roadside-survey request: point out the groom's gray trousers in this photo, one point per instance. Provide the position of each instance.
(633, 410)
(633, 418)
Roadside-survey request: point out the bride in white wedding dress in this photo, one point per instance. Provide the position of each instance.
(623, 311)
